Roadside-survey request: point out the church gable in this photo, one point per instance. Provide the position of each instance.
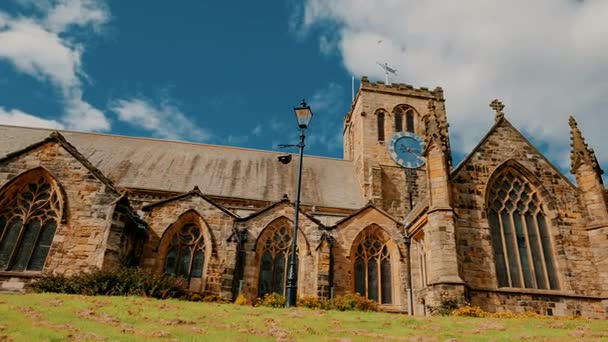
(504, 151)
(79, 237)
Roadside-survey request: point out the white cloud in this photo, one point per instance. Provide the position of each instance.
(257, 130)
(164, 120)
(38, 46)
(545, 59)
(18, 118)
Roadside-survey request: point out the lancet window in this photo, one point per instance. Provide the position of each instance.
(380, 122)
(372, 269)
(409, 113)
(520, 234)
(186, 253)
(275, 250)
(29, 214)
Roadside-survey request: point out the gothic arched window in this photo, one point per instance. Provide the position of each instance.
(380, 122)
(398, 122)
(29, 213)
(186, 253)
(409, 119)
(399, 112)
(520, 234)
(275, 250)
(372, 269)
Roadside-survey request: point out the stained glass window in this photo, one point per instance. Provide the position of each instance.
(372, 270)
(186, 253)
(29, 214)
(519, 234)
(274, 263)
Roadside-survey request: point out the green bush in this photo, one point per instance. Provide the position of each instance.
(351, 302)
(121, 282)
(272, 300)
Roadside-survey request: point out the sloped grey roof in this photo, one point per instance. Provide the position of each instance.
(217, 170)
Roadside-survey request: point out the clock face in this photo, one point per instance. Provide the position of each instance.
(406, 149)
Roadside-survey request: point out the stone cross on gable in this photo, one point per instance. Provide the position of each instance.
(498, 107)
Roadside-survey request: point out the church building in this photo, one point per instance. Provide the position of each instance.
(393, 220)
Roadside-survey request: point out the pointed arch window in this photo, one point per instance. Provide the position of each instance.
(520, 234)
(29, 215)
(186, 253)
(372, 269)
(380, 125)
(409, 113)
(275, 250)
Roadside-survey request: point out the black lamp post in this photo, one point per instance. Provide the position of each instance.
(303, 116)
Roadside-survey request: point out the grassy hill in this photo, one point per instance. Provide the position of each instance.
(54, 317)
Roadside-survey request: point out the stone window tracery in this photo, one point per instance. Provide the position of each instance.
(29, 214)
(186, 253)
(274, 261)
(372, 269)
(399, 112)
(520, 234)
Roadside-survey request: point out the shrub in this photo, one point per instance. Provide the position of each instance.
(272, 300)
(241, 300)
(350, 302)
(446, 306)
(213, 298)
(119, 282)
(470, 311)
(313, 303)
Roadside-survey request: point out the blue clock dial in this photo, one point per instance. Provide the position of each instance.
(406, 150)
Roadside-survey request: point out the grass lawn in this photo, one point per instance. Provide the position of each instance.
(55, 317)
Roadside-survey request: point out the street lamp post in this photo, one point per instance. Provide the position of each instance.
(303, 116)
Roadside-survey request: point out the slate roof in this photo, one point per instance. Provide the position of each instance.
(217, 170)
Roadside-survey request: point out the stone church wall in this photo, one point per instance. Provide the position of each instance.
(217, 227)
(345, 236)
(79, 241)
(309, 239)
(571, 246)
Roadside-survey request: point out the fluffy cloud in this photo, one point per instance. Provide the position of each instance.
(545, 59)
(164, 120)
(38, 46)
(18, 118)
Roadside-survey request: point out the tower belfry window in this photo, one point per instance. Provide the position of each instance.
(409, 113)
(380, 122)
(520, 234)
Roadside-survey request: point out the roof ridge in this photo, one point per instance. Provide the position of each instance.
(169, 141)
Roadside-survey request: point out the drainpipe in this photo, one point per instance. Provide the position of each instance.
(410, 295)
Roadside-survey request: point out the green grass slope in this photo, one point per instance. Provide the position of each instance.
(54, 317)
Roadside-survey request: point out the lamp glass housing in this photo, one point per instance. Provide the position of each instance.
(303, 115)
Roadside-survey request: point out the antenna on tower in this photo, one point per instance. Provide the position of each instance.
(387, 69)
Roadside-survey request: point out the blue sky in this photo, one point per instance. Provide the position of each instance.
(230, 72)
(233, 69)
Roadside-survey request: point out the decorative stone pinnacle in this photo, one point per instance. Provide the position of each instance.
(498, 107)
(436, 130)
(581, 153)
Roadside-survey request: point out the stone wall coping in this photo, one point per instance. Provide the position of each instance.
(536, 292)
(597, 226)
(25, 274)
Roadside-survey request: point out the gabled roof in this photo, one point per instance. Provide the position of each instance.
(194, 192)
(175, 166)
(369, 205)
(55, 136)
(285, 201)
(502, 120)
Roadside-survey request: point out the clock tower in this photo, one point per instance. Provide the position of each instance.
(385, 134)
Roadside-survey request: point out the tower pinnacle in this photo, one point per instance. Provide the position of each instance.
(580, 152)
